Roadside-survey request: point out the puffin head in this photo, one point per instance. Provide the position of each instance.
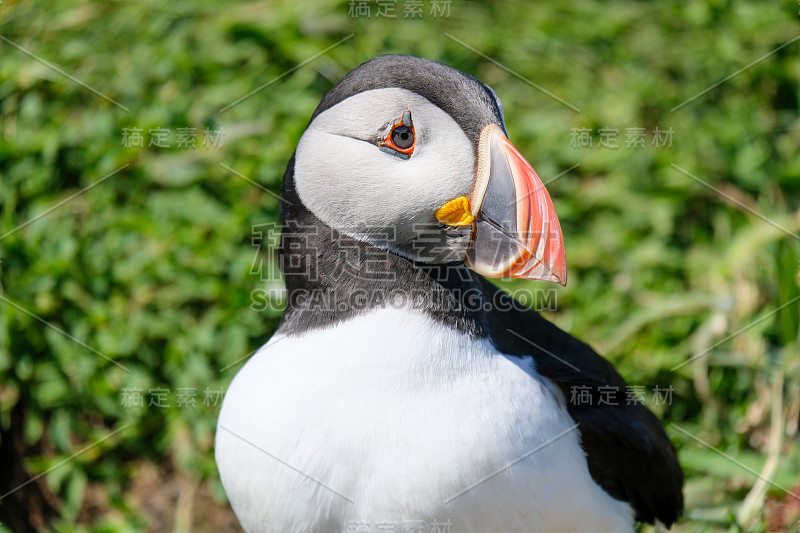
(412, 156)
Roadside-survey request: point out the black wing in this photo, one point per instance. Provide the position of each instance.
(629, 454)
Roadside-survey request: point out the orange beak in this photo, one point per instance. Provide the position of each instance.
(517, 233)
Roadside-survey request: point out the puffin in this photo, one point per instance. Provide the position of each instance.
(403, 391)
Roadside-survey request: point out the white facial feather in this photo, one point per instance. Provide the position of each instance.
(353, 186)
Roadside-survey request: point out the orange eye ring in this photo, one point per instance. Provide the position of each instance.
(402, 137)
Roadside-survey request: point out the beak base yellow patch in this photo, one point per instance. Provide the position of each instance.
(456, 212)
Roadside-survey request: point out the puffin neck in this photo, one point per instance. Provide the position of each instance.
(331, 277)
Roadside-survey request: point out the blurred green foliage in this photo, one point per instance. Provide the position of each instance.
(672, 250)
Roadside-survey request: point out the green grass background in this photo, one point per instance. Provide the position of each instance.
(152, 266)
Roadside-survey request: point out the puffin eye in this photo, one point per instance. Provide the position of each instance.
(403, 137)
(400, 140)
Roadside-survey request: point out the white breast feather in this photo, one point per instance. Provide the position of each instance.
(392, 417)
